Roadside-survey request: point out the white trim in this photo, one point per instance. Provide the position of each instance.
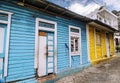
(46, 29)
(55, 47)
(2, 33)
(36, 45)
(3, 22)
(36, 40)
(4, 12)
(88, 46)
(7, 43)
(80, 49)
(95, 42)
(70, 49)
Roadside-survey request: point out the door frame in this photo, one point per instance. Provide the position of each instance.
(106, 44)
(8, 23)
(37, 28)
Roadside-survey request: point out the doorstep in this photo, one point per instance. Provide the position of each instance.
(46, 78)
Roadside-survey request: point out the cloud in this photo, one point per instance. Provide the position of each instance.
(115, 4)
(81, 9)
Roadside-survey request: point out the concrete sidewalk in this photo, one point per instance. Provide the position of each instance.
(104, 72)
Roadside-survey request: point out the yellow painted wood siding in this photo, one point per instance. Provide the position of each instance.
(103, 39)
(99, 51)
(111, 44)
(98, 45)
(91, 43)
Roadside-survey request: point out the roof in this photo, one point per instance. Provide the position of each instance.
(56, 10)
(104, 9)
(51, 8)
(107, 27)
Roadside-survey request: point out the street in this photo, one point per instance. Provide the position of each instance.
(104, 72)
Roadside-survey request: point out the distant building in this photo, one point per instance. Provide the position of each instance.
(105, 16)
(101, 34)
(117, 35)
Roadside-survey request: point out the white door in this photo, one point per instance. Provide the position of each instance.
(108, 45)
(1, 67)
(42, 54)
(46, 53)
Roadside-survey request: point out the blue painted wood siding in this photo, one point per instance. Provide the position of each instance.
(21, 50)
(22, 41)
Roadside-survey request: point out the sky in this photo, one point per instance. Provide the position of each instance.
(84, 7)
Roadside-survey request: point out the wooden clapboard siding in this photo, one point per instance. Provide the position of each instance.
(22, 41)
(98, 52)
(92, 43)
(21, 50)
(98, 45)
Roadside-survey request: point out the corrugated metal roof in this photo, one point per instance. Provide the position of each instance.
(57, 10)
(52, 8)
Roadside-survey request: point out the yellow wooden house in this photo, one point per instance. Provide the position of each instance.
(101, 35)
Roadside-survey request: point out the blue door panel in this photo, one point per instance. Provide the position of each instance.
(50, 38)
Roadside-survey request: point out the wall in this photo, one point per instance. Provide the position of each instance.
(92, 43)
(99, 52)
(22, 41)
(112, 48)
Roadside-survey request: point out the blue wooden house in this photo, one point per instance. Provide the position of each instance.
(38, 38)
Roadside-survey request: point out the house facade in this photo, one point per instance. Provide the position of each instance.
(101, 34)
(38, 38)
(117, 35)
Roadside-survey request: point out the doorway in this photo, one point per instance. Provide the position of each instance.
(107, 44)
(46, 47)
(46, 53)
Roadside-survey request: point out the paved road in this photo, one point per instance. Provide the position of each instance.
(105, 72)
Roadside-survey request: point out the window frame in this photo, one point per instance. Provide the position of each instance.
(98, 39)
(75, 35)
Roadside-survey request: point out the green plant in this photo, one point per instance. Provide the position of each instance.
(118, 48)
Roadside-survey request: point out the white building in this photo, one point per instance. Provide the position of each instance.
(105, 16)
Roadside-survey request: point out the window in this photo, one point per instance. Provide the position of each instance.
(1, 39)
(1, 64)
(46, 25)
(75, 41)
(98, 37)
(105, 21)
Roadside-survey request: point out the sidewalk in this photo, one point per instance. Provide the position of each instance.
(104, 72)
